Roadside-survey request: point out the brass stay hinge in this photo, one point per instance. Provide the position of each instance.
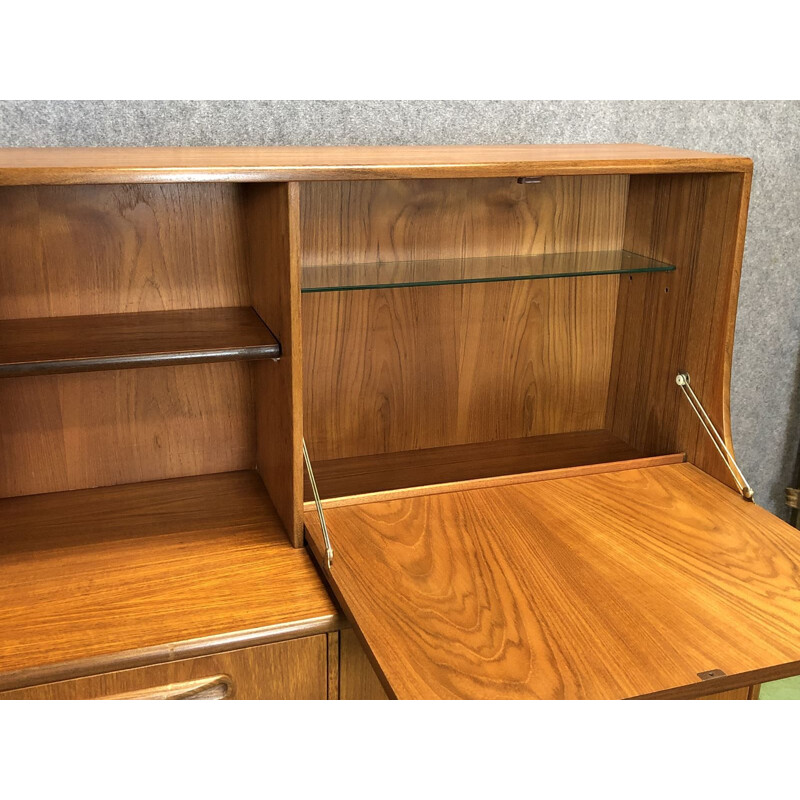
(793, 501)
(682, 379)
(318, 504)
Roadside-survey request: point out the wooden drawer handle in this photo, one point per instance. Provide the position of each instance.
(217, 687)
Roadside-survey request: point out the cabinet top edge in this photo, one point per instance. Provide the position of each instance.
(78, 165)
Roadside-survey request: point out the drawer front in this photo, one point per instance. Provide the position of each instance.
(291, 670)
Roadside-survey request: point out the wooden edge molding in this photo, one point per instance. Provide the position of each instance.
(37, 176)
(176, 651)
(752, 679)
(59, 166)
(498, 480)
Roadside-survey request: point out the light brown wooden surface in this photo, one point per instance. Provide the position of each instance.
(604, 586)
(62, 432)
(273, 235)
(164, 164)
(385, 471)
(109, 341)
(92, 574)
(292, 670)
(679, 321)
(403, 369)
(66, 251)
(357, 678)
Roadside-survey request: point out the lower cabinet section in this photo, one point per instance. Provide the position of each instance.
(745, 693)
(291, 670)
(332, 666)
(357, 678)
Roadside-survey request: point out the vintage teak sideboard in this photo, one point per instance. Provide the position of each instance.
(481, 354)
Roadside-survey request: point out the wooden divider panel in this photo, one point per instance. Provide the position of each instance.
(273, 235)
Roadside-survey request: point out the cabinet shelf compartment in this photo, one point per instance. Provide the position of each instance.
(150, 572)
(438, 272)
(121, 341)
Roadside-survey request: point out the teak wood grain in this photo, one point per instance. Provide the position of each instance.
(357, 678)
(333, 665)
(119, 341)
(273, 235)
(623, 583)
(89, 575)
(366, 222)
(403, 369)
(77, 250)
(182, 164)
(611, 585)
(679, 321)
(292, 670)
(63, 432)
(386, 471)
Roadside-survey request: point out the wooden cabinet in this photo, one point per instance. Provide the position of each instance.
(292, 670)
(479, 347)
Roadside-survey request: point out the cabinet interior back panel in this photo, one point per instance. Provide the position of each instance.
(63, 432)
(407, 368)
(67, 250)
(364, 222)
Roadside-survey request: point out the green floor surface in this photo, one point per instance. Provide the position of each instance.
(787, 689)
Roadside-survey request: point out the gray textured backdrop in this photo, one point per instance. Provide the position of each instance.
(766, 369)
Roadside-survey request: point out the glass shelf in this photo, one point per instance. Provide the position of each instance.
(347, 277)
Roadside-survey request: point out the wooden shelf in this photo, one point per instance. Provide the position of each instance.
(122, 341)
(152, 571)
(442, 272)
(603, 586)
(387, 471)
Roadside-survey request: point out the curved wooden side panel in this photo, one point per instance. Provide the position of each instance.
(682, 320)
